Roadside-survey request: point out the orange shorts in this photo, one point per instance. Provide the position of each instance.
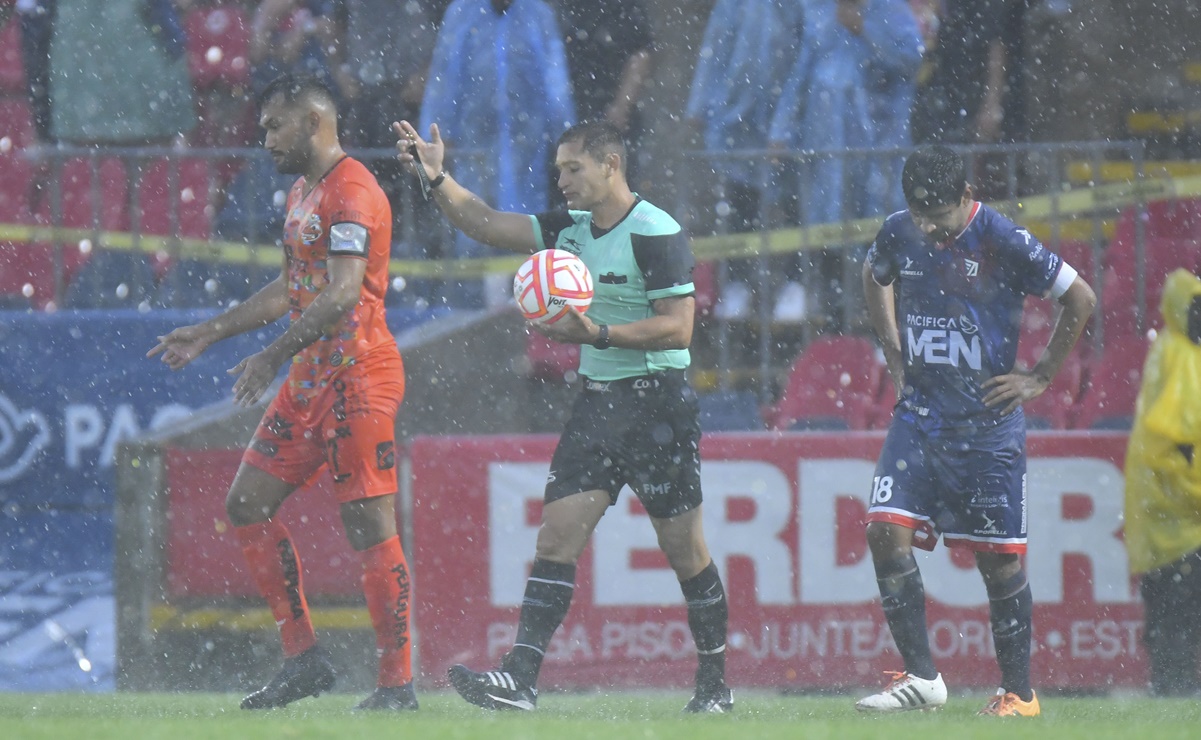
(349, 426)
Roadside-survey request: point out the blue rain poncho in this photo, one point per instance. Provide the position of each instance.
(498, 84)
(891, 31)
(748, 48)
(824, 108)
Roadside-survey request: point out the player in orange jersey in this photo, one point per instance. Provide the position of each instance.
(338, 406)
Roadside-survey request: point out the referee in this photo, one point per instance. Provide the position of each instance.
(636, 419)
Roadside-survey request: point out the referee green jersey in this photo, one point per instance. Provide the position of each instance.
(642, 258)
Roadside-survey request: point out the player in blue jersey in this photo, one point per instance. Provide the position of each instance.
(945, 282)
(636, 421)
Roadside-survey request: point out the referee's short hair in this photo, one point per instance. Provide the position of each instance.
(598, 139)
(297, 87)
(934, 176)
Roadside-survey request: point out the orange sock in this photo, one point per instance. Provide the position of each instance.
(276, 569)
(388, 589)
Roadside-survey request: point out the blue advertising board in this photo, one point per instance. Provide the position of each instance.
(72, 386)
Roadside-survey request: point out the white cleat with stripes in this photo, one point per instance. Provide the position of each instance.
(906, 693)
(492, 689)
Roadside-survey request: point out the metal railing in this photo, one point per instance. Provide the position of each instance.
(219, 212)
(1055, 189)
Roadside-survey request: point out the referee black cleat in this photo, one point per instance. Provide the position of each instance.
(390, 698)
(307, 674)
(493, 689)
(720, 701)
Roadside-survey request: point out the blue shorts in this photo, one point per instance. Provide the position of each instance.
(970, 487)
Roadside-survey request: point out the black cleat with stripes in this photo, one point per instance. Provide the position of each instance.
(493, 689)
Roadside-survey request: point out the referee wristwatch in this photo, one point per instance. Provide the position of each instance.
(602, 337)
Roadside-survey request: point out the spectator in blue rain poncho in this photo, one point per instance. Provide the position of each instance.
(748, 48)
(499, 91)
(891, 30)
(855, 68)
(824, 109)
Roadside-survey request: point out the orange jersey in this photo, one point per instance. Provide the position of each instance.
(330, 221)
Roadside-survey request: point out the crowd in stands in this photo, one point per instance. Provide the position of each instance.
(798, 82)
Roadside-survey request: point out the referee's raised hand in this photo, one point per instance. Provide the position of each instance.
(412, 149)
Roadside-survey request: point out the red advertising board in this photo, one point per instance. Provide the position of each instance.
(784, 521)
(204, 560)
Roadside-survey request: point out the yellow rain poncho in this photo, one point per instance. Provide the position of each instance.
(1163, 460)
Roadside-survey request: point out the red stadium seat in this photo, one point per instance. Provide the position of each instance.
(833, 374)
(82, 208)
(1079, 255)
(16, 133)
(188, 202)
(1052, 409)
(1113, 381)
(1119, 299)
(1164, 219)
(82, 204)
(16, 124)
(218, 46)
(12, 70)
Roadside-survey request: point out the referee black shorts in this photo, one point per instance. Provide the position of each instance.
(642, 432)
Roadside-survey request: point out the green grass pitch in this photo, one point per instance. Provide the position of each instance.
(633, 715)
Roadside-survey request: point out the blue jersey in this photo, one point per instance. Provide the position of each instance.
(959, 307)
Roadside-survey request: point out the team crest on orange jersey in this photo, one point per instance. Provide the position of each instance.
(312, 229)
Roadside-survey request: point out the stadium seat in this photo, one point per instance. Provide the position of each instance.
(1164, 219)
(1112, 385)
(12, 70)
(730, 411)
(16, 133)
(833, 375)
(1053, 408)
(31, 267)
(188, 202)
(218, 46)
(1119, 299)
(83, 206)
(16, 124)
(1078, 254)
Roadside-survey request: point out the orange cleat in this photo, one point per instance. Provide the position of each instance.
(1011, 705)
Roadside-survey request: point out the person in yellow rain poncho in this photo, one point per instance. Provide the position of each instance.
(1163, 491)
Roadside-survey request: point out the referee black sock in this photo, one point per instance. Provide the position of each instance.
(903, 598)
(1010, 614)
(708, 616)
(547, 599)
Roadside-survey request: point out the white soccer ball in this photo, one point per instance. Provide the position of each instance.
(550, 283)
